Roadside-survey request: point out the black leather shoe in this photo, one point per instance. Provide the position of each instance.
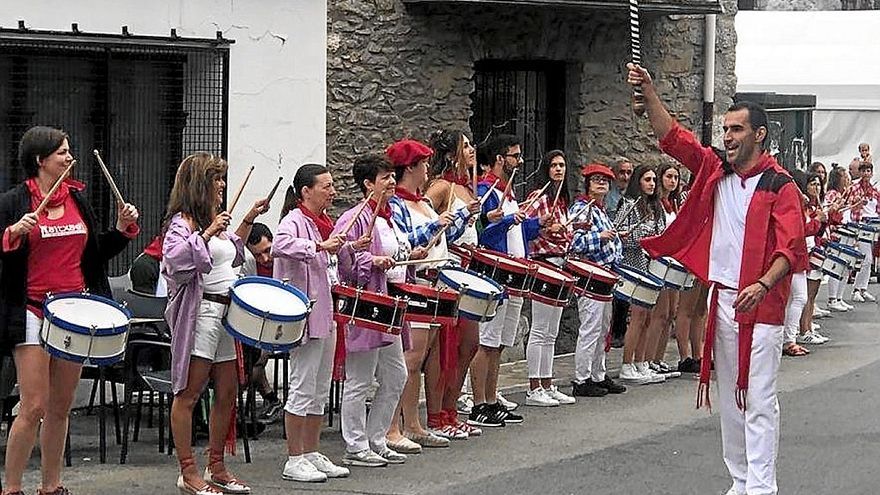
(611, 386)
(587, 389)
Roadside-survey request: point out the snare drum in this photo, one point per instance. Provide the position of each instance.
(551, 285)
(82, 327)
(847, 236)
(479, 295)
(868, 232)
(426, 304)
(369, 310)
(848, 254)
(266, 313)
(462, 252)
(835, 267)
(511, 273)
(592, 280)
(817, 257)
(673, 274)
(637, 287)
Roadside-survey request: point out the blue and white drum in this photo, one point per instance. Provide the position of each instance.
(868, 232)
(637, 287)
(673, 274)
(848, 254)
(848, 236)
(82, 327)
(817, 257)
(835, 267)
(266, 313)
(479, 296)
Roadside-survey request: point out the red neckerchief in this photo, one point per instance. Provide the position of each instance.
(154, 248)
(451, 176)
(866, 187)
(385, 212)
(490, 178)
(407, 195)
(322, 221)
(60, 195)
(758, 169)
(668, 205)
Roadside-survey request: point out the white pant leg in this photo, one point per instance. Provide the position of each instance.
(305, 360)
(391, 375)
(750, 439)
(597, 369)
(833, 288)
(593, 325)
(511, 321)
(842, 285)
(797, 299)
(325, 374)
(360, 367)
(542, 339)
(865, 272)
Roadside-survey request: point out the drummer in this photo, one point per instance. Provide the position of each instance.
(836, 202)
(61, 249)
(199, 260)
(864, 192)
(304, 250)
(371, 354)
(594, 239)
(550, 246)
(453, 165)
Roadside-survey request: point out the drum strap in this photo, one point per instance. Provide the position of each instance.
(217, 298)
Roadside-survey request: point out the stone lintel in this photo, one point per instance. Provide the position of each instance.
(654, 6)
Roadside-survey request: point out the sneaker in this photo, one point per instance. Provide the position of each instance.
(464, 404)
(392, 457)
(630, 374)
(364, 458)
(848, 306)
(815, 326)
(505, 415)
(472, 431)
(326, 466)
(539, 398)
(271, 412)
(405, 446)
(448, 431)
(508, 404)
(837, 306)
(588, 388)
(732, 491)
(809, 339)
(819, 336)
(646, 370)
(483, 415)
(857, 297)
(820, 312)
(554, 393)
(299, 468)
(868, 297)
(611, 386)
(430, 440)
(689, 365)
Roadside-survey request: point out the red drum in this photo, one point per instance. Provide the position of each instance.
(463, 252)
(513, 274)
(369, 310)
(426, 304)
(592, 280)
(551, 285)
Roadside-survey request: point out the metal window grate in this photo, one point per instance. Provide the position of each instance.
(143, 106)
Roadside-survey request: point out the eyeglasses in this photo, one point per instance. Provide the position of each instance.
(598, 179)
(515, 156)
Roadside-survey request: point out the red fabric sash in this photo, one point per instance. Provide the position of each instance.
(489, 178)
(322, 221)
(154, 248)
(447, 342)
(461, 180)
(58, 197)
(407, 195)
(339, 353)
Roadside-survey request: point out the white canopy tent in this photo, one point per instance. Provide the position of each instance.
(834, 55)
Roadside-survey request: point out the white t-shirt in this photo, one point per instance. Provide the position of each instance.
(515, 244)
(469, 236)
(390, 246)
(221, 276)
(732, 199)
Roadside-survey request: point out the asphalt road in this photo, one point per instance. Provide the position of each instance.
(650, 440)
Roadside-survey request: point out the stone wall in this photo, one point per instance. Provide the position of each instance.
(817, 4)
(396, 71)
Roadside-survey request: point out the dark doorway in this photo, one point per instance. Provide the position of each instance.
(524, 98)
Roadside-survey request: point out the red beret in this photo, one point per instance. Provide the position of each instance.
(407, 152)
(597, 168)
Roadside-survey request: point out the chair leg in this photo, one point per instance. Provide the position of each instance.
(102, 418)
(68, 461)
(137, 416)
(150, 410)
(116, 413)
(92, 395)
(170, 399)
(242, 426)
(161, 419)
(330, 403)
(128, 396)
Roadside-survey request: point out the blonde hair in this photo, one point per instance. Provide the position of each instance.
(193, 191)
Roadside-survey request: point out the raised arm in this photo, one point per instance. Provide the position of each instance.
(658, 115)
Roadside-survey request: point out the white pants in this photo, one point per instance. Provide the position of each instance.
(311, 368)
(386, 364)
(836, 288)
(864, 274)
(797, 299)
(501, 330)
(542, 339)
(589, 353)
(750, 438)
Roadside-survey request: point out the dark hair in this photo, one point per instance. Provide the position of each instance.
(813, 175)
(545, 175)
(800, 180)
(37, 143)
(368, 167)
(444, 143)
(835, 179)
(757, 117)
(500, 145)
(305, 176)
(258, 231)
(675, 195)
(648, 204)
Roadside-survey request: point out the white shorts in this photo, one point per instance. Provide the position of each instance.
(32, 326)
(815, 275)
(212, 341)
(501, 330)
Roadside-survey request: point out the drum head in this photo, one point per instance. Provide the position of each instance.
(456, 278)
(273, 298)
(594, 269)
(87, 311)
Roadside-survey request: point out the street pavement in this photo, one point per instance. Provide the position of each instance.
(649, 440)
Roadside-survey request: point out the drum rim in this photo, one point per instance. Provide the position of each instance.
(93, 360)
(471, 291)
(622, 271)
(266, 314)
(513, 262)
(673, 263)
(611, 280)
(844, 248)
(369, 296)
(426, 290)
(79, 329)
(567, 280)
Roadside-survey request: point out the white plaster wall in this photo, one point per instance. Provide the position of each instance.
(277, 71)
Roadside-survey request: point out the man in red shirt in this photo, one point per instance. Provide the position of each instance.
(741, 234)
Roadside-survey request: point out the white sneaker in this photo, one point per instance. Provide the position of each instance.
(326, 466)
(631, 375)
(538, 397)
(510, 405)
(464, 404)
(364, 458)
(815, 326)
(837, 306)
(809, 339)
(848, 306)
(554, 393)
(301, 469)
(857, 297)
(820, 312)
(392, 457)
(732, 491)
(868, 297)
(653, 377)
(819, 336)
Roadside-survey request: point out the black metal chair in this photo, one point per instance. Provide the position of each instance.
(147, 369)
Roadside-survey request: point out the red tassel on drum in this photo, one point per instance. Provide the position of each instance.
(339, 353)
(448, 344)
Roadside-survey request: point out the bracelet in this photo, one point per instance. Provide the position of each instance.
(765, 286)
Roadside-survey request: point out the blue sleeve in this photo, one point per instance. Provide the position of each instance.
(459, 225)
(531, 228)
(417, 236)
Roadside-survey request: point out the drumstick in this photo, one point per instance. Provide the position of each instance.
(356, 215)
(450, 196)
(630, 209)
(474, 181)
(638, 98)
(506, 189)
(272, 192)
(488, 191)
(558, 191)
(579, 213)
(109, 178)
(418, 262)
(379, 206)
(240, 189)
(537, 198)
(55, 187)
